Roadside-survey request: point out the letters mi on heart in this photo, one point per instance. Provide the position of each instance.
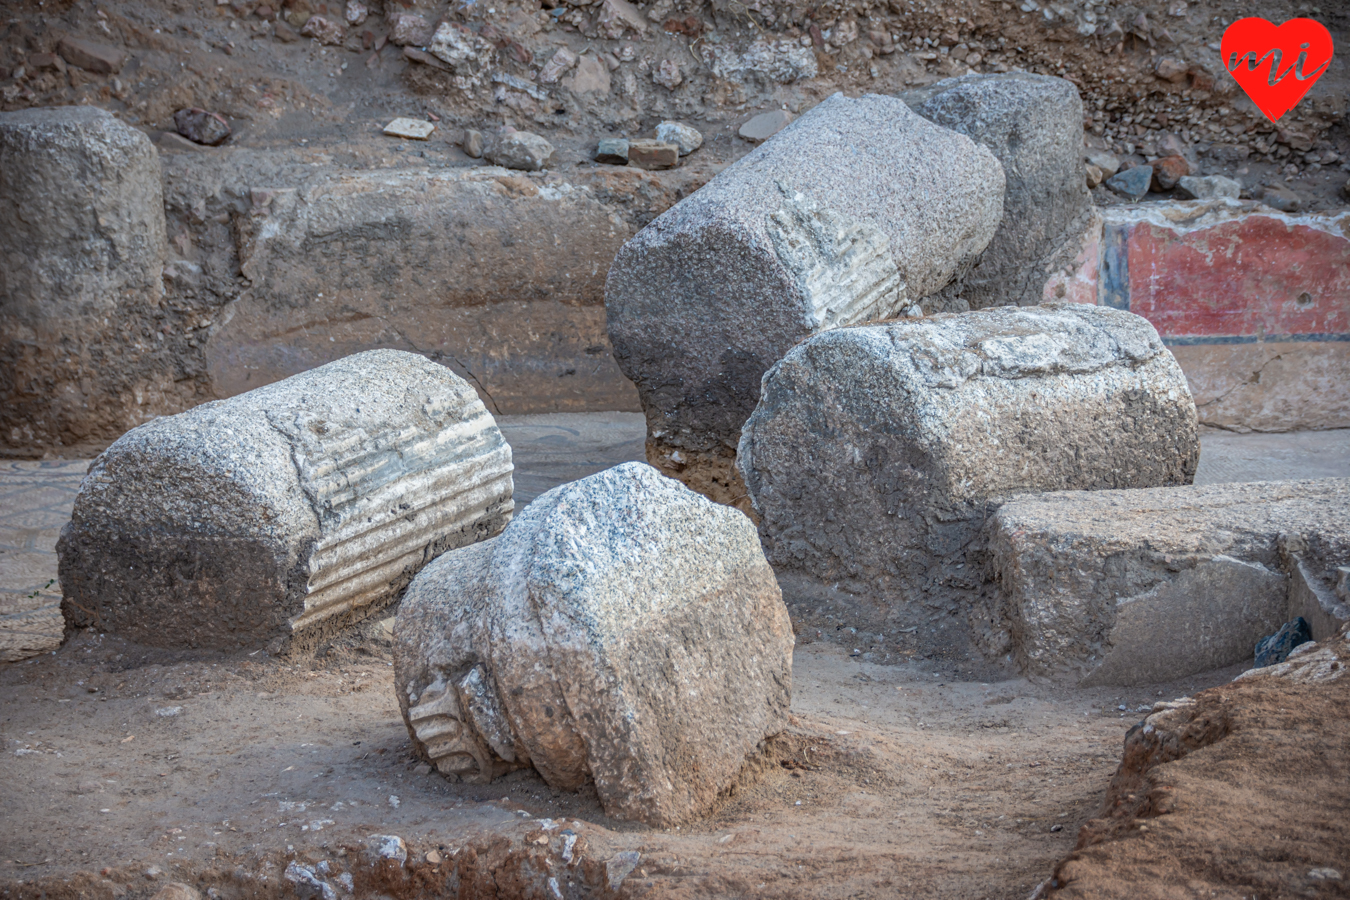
(1276, 65)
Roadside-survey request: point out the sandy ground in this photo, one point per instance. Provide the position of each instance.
(895, 780)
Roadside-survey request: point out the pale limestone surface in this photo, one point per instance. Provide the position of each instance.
(877, 452)
(286, 511)
(622, 630)
(1134, 586)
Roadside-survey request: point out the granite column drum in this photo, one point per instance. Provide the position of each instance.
(81, 278)
(877, 452)
(623, 630)
(286, 512)
(851, 213)
(1034, 125)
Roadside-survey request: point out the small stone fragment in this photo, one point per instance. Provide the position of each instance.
(765, 125)
(553, 70)
(1108, 162)
(307, 883)
(473, 143)
(409, 30)
(1209, 187)
(324, 30)
(1281, 198)
(1277, 647)
(687, 138)
(623, 631)
(620, 866)
(645, 153)
(1169, 68)
(617, 17)
(91, 56)
(460, 48)
(613, 151)
(356, 12)
(668, 74)
(1133, 183)
(413, 129)
(1168, 171)
(201, 127)
(1094, 175)
(284, 32)
(520, 150)
(176, 890)
(418, 55)
(433, 856)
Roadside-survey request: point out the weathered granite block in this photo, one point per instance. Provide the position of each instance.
(1129, 587)
(287, 511)
(1034, 125)
(876, 452)
(851, 213)
(81, 276)
(622, 630)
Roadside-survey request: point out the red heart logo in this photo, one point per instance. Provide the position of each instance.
(1276, 66)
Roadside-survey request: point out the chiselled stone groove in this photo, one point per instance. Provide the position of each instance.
(842, 266)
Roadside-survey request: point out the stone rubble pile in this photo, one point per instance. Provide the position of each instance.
(285, 512)
(622, 630)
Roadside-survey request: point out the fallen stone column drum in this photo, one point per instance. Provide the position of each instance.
(285, 512)
(1034, 125)
(851, 213)
(1139, 586)
(622, 630)
(876, 452)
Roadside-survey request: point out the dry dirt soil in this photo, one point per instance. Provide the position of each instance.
(895, 780)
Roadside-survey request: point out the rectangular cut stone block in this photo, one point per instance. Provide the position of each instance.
(1253, 303)
(623, 631)
(1136, 586)
(486, 272)
(876, 452)
(285, 512)
(850, 213)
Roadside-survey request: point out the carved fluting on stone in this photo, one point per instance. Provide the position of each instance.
(707, 297)
(876, 452)
(842, 266)
(283, 511)
(622, 630)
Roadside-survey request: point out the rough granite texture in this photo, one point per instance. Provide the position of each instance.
(877, 452)
(1127, 587)
(1034, 125)
(287, 511)
(81, 265)
(848, 214)
(622, 630)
